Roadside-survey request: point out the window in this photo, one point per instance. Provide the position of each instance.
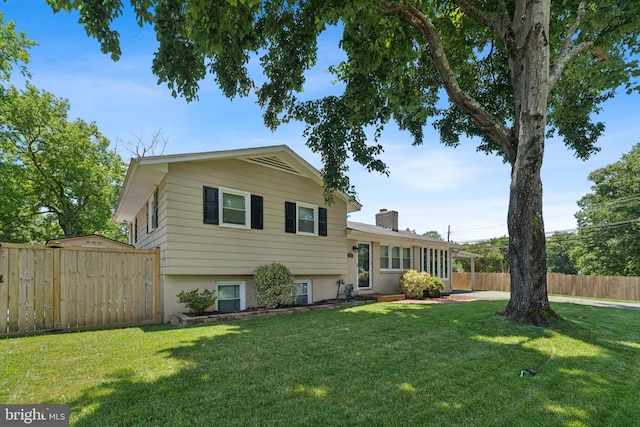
(436, 262)
(406, 258)
(384, 257)
(152, 212)
(395, 258)
(230, 296)
(307, 219)
(303, 292)
(302, 218)
(232, 208)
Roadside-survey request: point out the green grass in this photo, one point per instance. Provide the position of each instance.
(379, 364)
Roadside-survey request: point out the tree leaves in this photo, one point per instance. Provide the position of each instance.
(609, 220)
(13, 49)
(58, 172)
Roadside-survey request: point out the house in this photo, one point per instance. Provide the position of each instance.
(383, 252)
(216, 216)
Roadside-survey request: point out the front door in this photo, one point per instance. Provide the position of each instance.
(364, 266)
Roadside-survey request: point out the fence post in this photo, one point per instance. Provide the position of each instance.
(57, 324)
(159, 312)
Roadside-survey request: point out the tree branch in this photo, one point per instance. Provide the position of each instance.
(45, 178)
(23, 218)
(566, 52)
(499, 23)
(491, 126)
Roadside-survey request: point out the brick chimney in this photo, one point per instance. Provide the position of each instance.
(387, 219)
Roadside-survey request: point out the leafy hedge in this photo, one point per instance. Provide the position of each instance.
(197, 302)
(274, 285)
(418, 285)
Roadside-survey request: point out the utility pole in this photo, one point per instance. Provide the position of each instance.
(448, 233)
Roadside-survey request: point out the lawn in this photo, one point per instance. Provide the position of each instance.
(380, 364)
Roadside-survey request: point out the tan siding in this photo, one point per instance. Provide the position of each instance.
(157, 237)
(198, 248)
(383, 281)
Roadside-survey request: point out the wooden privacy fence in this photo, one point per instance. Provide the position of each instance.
(605, 287)
(43, 288)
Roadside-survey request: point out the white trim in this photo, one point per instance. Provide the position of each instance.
(241, 284)
(247, 207)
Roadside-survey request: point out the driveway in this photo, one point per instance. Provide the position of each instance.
(495, 295)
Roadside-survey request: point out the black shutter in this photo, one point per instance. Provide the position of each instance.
(148, 213)
(322, 221)
(256, 212)
(290, 217)
(154, 213)
(210, 205)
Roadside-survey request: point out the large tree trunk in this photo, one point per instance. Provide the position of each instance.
(529, 302)
(526, 39)
(529, 60)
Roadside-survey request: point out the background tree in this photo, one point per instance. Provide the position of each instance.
(559, 248)
(433, 234)
(494, 255)
(511, 69)
(59, 177)
(155, 147)
(609, 220)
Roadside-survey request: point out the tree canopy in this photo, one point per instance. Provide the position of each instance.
(513, 72)
(60, 177)
(14, 48)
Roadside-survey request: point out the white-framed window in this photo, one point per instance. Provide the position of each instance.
(152, 212)
(307, 219)
(406, 258)
(303, 292)
(384, 257)
(436, 262)
(230, 296)
(395, 258)
(235, 208)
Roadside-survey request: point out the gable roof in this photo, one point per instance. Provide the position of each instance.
(359, 229)
(145, 173)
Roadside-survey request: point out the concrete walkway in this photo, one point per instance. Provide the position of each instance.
(495, 295)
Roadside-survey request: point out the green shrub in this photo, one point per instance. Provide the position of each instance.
(434, 286)
(274, 285)
(413, 284)
(196, 302)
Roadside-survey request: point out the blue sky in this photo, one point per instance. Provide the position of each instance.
(433, 187)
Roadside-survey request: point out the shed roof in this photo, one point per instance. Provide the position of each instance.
(87, 241)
